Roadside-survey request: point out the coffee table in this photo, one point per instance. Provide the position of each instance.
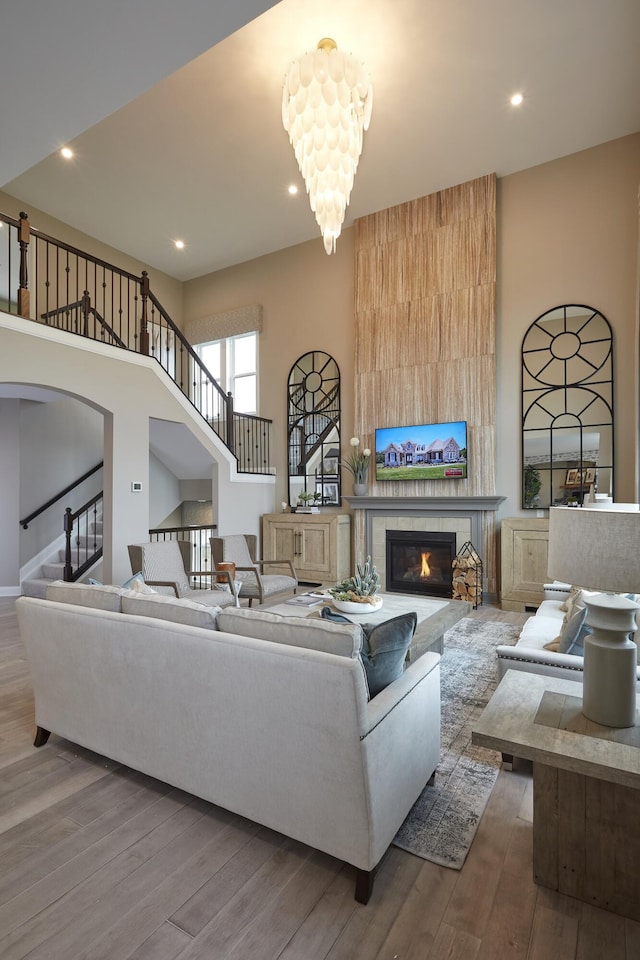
(435, 617)
(586, 788)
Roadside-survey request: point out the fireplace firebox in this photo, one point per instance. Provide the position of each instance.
(420, 561)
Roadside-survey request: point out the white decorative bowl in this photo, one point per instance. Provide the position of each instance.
(350, 606)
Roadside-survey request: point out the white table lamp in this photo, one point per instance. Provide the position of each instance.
(599, 549)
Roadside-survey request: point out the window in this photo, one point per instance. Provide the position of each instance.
(233, 362)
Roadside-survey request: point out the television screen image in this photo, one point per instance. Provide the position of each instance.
(428, 451)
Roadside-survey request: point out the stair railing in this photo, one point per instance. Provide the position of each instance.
(81, 541)
(72, 486)
(200, 568)
(63, 287)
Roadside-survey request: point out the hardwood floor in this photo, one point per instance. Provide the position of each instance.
(98, 862)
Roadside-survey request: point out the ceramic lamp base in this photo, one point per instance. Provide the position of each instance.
(610, 661)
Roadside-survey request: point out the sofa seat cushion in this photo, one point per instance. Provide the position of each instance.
(339, 638)
(538, 631)
(99, 596)
(272, 583)
(176, 609)
(551, 608)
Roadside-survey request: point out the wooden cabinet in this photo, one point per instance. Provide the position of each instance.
(524, 545)
(319, 544)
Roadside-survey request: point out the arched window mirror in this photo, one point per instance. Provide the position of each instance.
(313, 429)
(567, 407)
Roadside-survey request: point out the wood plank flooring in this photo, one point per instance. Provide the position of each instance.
(98, 862)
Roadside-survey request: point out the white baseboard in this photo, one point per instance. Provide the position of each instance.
(10, 591)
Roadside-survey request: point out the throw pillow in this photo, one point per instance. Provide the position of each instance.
(553, 646)
(384, 649)
(571, 632)
(136, 582)
(576, 601)
(328, 614)
(568, 603)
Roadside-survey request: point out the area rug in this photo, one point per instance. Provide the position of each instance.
(443, 821)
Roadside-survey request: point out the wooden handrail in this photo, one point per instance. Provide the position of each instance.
(126, 314)
(45, 506)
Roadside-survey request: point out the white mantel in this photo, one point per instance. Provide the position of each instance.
(376, 514)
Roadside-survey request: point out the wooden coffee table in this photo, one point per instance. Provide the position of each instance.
(435, 617)
(586, 788)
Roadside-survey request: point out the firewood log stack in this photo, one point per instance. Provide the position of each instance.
(467, 576)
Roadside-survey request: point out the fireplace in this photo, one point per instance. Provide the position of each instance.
(420, 561)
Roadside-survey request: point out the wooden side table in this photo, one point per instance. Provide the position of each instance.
(586, 788)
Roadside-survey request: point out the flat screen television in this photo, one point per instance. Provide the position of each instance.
(426, 451)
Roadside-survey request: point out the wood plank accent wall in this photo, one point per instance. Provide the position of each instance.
(425, 311)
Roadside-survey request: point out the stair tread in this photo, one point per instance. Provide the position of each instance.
(35, 587)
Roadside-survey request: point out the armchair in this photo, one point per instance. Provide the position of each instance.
(256, 585)
(165, 565)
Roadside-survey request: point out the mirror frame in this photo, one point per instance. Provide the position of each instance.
(567, 390)
(313, 429)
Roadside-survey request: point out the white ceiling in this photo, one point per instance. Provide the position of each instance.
(202, 154)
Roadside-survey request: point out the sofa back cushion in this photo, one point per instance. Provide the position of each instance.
(100, 596)
(178, 610)
(339, 638)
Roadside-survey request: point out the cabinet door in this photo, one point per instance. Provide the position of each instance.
(525, 545)
(314, 550)
(308, 544)
(281, 543)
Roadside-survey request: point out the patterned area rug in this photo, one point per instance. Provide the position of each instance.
(443, 821)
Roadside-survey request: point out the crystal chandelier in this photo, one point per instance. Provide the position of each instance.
(326, 107)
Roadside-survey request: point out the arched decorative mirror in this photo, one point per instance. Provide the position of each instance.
(313, 429)
(567, 407)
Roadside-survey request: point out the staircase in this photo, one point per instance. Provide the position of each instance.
(75, 292)
(83, 548)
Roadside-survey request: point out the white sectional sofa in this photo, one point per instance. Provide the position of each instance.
(279, 731)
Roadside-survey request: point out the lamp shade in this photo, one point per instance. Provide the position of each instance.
(595, 548)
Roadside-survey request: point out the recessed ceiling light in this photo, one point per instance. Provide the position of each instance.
(179, 244)
(292, 189)
(516, 99)
(67, 153)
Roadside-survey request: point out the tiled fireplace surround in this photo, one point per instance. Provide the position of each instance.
(464, 516)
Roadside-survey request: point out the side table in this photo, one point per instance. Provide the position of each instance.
(586, 788)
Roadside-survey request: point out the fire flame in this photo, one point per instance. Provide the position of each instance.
(425, 569)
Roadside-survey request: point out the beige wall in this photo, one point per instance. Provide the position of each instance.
(307, 300)
(168, 291)
(568, 233)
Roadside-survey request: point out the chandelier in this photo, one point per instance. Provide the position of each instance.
(326, 107)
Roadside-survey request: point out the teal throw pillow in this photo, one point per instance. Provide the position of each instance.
(328, 614)
(384, 649)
